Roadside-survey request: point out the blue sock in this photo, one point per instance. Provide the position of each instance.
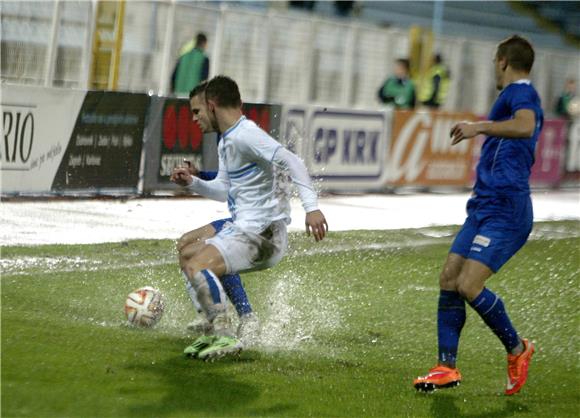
(232, 284)
(491, 309)
(450, 321)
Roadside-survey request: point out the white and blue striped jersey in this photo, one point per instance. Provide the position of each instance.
(251, 164)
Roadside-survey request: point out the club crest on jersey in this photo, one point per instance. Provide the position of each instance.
(481, 240)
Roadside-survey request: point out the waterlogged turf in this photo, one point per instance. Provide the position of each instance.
(348, 323)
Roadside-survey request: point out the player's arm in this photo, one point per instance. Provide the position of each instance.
(269, 151)
(315, 220)
(522, 126)
(216, 189)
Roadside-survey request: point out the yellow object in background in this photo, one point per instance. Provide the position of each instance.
(107, 45)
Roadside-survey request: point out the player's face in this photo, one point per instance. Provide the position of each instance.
(200, 113)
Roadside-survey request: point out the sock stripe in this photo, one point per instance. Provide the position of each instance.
(492, 305)
(213, 287)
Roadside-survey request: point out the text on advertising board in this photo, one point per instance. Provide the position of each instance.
(18, 135)
(346, 144)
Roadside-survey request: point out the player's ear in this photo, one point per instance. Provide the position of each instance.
(503, 64)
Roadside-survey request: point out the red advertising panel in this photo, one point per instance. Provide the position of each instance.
(547, 170)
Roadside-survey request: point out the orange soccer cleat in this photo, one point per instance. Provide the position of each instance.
(439, 377)
(518, 368)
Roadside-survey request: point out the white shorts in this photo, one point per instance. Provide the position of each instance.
(247, 251)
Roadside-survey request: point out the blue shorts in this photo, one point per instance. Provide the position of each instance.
(495, 229)
(219, 224)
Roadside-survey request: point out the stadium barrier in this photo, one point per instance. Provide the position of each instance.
(62, 141)
(69, 141)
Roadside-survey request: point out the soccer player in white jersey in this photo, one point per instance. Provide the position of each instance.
(256, 239)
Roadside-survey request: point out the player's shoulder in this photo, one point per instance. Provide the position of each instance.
(250, 131)
(517, 92)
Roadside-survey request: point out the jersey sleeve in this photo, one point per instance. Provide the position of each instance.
(299, 174)
(521, 98)
(216, 189)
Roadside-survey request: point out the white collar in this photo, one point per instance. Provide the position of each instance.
(522, 81)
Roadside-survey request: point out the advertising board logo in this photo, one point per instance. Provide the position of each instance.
(17, 137)
(180, 129)
(422, 151)
(346, 144)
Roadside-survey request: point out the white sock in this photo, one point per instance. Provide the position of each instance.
(210, 293)
(192, 293)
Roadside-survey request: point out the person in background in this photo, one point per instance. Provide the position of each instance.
(562, 105)
(435, 86)
(192, 67)
(399, 89)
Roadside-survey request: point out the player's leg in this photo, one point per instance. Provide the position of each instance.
(450, 321)
(497, 241)
(203, 271)
(471, 285)
(450, 311)
(187, 246)
(191, 242)
(450, 314)
(246, 251)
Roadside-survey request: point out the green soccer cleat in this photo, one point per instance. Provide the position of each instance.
(199, 344)
(222, 346)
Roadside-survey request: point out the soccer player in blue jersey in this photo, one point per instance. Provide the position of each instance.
(499, 219)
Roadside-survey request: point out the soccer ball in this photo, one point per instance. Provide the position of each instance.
(144, 307)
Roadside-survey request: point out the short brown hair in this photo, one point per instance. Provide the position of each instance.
(200, 88)
(224, 91)
(518, 52)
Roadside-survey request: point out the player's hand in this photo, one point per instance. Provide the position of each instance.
(463, 130)
(181, 176)
(192, 169)
(316, 222)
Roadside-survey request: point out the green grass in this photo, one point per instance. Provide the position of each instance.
(348, 324)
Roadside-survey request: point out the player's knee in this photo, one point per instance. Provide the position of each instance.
(190, 269)
(447, 281)
(183, 241)
(467, 289)
(193, 266)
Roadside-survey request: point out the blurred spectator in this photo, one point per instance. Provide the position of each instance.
(343, 8)
(192, 67)
(305, 5)
(435, 85)
(563, 104)
(399, 89)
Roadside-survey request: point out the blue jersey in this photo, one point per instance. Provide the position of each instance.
(505, 164)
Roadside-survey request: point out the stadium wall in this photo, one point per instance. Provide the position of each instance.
(74, 142)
